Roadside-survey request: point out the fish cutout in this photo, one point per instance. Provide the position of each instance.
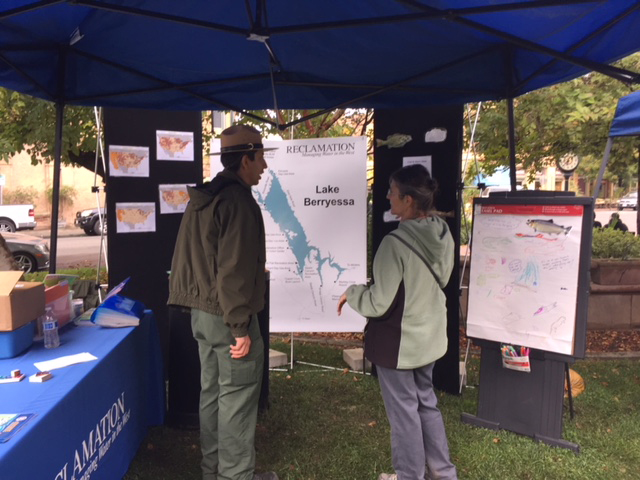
(548, 226)
(397, 140)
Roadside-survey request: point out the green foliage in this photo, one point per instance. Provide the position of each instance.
(20, 196)
(28, 123)
(84, 273)
(466, 228)
(335, 123)
(67, 195)
(570, 117)
(616, 244)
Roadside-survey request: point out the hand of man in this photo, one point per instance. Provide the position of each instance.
(341, 302)
(242, 347)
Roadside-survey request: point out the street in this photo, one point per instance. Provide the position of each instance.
(78, 251)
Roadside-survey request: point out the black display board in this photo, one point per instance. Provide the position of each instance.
(146, 257)
(437, 133)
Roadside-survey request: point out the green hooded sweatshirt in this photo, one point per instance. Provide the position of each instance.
(405, 305)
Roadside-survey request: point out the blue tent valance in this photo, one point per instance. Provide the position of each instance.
(292, 54)
(626, 121)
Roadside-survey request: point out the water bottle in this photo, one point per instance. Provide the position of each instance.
(50, 328)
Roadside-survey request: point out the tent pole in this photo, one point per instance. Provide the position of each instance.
(603, 167)
(512, 144)
(55, 196)
(638, 188)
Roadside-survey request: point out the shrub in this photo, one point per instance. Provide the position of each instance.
(615, 244)
(20, 196)
(67, 195)
(466, 228)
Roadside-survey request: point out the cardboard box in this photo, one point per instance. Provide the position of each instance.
(20, 302)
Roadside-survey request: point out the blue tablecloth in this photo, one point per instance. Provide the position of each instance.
(91, 417)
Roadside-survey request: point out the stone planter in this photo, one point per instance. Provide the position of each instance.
(615, 272)
(614, 300)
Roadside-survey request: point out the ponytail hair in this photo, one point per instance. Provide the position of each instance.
(415, 181)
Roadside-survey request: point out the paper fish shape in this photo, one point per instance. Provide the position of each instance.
(397, 140)
(435, 135)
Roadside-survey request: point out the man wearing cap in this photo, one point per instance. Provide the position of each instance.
(218, 271)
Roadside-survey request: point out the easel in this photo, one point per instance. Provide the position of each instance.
(532, 403)
(96, 189)
(529, 404)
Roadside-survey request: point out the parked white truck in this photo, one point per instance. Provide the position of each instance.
(17, 217)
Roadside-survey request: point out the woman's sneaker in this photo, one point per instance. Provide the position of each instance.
(388, 476)
(265, 476)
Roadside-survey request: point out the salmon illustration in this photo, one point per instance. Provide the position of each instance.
(548, 226)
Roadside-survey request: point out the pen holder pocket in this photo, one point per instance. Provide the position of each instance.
(521, 364)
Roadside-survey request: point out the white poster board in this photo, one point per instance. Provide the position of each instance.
(313, 197)
(524, 273)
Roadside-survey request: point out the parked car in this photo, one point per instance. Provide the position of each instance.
(89, 221)
(17, 217)
(629, 201)
(31, 253)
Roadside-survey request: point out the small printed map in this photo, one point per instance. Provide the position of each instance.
(174, 145)
(173, 198)
(135, 217)
(125, 161)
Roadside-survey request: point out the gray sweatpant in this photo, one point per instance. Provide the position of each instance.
(417, 428)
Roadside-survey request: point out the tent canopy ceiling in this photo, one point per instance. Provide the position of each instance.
(230, 54)
(626, 121)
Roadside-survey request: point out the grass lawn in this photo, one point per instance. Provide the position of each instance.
(331, 425)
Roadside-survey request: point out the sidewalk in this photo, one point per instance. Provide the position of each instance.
(43, 230)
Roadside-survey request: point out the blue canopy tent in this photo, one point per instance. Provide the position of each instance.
(257, 54)
(626, 123)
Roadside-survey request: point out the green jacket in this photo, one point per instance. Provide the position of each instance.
(218, 262)
(413, 329)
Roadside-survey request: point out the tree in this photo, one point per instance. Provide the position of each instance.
(570, 117)
(28, 123)
(335, 123)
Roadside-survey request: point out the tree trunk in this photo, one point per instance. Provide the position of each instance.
(7, 262)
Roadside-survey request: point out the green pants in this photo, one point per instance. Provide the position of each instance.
(229, 394)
